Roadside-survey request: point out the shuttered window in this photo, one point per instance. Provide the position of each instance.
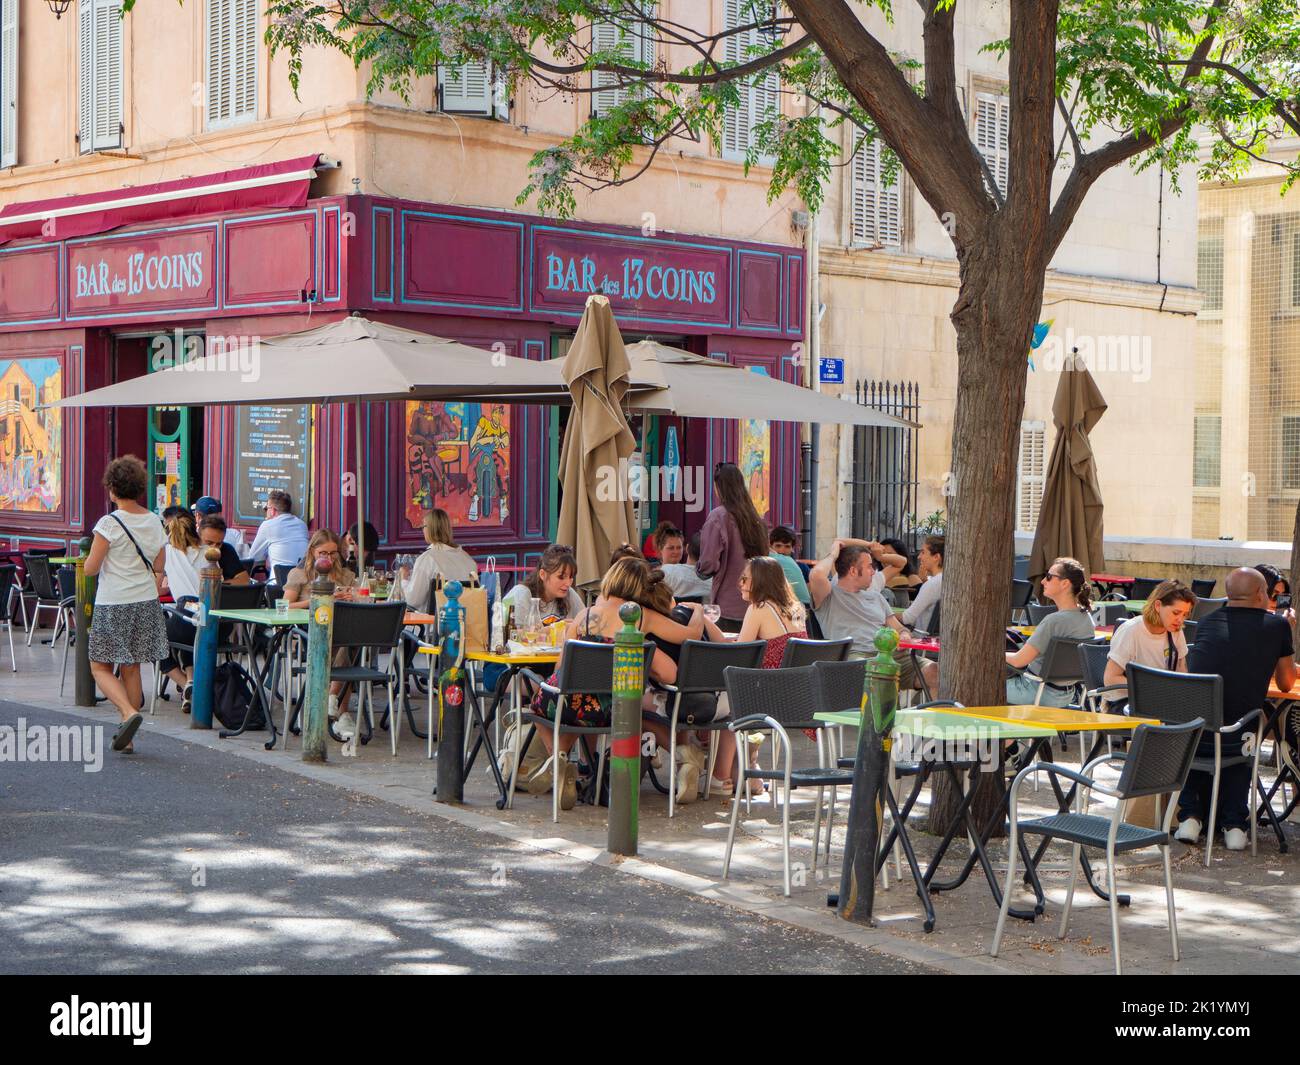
(8, 82)
(635, 43)
(100, 74)
(471, 89)
(1029, 482)
(760, 97)
(875, 205)
(231, 45)
(992, 134)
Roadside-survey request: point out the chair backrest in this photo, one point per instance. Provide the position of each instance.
(805, 652)
(1092, 663)
(587, 667)
(1189, 631)
(8, 578)
(272, 593)
(1142, 587)
(788, 696)
(1203, 588)
(813, 625)
(241, 597)
(1038, 611)
(1111, 613)
(840, 685)
(1159, 759)
(933, 621)
(700, 665)
(1062, 665)
(901, 595)
(1207, 606)
(368, 624)
(1020, 592)
(1175, 698)
(40, 574)
(281, 572)
(67, 580)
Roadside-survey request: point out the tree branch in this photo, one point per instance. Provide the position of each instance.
(941, 62)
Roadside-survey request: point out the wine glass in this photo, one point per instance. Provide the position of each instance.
(712, 612)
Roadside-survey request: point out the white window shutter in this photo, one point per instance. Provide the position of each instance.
(218, 59)
(875, 207)
(992, 135)
(231, 44)
(1029, 482)
(245, 62)
(466, 89)
(604, 38)
(108, 74)
(86, 75)
(759, 100)
(9, 83)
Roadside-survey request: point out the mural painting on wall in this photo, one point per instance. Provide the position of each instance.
(31, 440)
(458, 458)
(755, 459)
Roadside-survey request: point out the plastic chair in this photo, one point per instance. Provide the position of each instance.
(281, 573)
(1205, 607)
(8, 589)
(700, 669)
(1021, 590)
(370, 630)
(586, 668)
(1157, 763)
(1203, 589)
(1110, 613)
(1142, 587)
(1038, 611)
(805, 652)
(1183, 697)
(777, 700)
(41, 579)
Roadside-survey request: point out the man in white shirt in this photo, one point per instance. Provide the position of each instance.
(209, 507)
(282, 538)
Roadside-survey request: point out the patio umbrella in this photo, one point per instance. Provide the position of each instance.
(597, 443)
(349, 360)
(1070, 516)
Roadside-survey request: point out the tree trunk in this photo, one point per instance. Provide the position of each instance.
(996, 309)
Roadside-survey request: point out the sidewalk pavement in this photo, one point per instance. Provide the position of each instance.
(1242, 915)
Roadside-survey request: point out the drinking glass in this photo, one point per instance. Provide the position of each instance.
(712, 612)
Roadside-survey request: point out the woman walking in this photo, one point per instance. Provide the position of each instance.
(732, 533)
(127, 626)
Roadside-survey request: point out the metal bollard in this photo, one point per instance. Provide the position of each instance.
(879, 705)
(625, 742)
(85, 683)
(205, 642)
(320, 635)
(450, 785)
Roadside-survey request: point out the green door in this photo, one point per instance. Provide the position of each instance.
(175, 435)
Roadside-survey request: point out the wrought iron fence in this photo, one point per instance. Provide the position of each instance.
(883, 484)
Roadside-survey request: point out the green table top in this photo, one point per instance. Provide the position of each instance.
(1135, 605)
(936, 725)
(264, 616)
(66, 561)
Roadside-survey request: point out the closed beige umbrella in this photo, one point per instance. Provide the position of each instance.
(1070, 517)
(595, 511)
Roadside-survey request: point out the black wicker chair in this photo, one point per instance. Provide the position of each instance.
(8, 589)
(1157, 763)
(805, 652)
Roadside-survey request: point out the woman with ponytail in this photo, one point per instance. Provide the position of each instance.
(1066, 584)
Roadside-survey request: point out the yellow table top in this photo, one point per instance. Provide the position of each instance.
(1060, 718)
(1028, 630)
(549, 657)
(1292, 695)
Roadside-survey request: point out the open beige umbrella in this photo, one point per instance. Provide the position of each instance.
(1070, 516)
(595, 511)
(350, 360)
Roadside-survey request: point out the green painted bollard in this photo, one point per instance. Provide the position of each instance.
(205, 642)
(85, 683)
(450, 783)
(320, 634)
(879, 704)
(625, 742)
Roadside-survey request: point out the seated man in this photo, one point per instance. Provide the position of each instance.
(1247, 646)
(849, 604)
(681, 577)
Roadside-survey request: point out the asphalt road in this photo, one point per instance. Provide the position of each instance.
(180, 859)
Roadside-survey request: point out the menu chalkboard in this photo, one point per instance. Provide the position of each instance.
(272, 451)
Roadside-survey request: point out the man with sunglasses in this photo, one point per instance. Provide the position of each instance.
(282, 538)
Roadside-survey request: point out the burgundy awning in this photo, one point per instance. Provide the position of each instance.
(266, 185)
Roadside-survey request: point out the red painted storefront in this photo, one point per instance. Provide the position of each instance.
(499, 281)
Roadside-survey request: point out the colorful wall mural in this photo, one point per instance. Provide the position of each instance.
(31, 440)
(755, 458)
(458, 458)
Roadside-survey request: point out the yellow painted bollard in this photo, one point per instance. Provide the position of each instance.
(205, 642)
(85, 683)
(320, 634)
(625, 739)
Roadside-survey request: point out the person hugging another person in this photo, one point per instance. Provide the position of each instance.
(681, 577)
(732, 534)
(551, 583)
(1066, 584)
(443, 560)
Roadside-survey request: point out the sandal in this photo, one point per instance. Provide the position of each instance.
(126, 730)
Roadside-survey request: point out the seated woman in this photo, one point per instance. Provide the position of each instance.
(1277, 586)
(183, 554)
(1066, 584)
(1154, 638)
(442, 560)
(551, 583)
(324, 544)
(905, 576)
(627, 581)
(669, 543)
(350, 547)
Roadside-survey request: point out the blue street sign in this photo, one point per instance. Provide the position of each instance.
(831, 371)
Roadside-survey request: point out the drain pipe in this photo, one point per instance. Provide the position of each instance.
(811, 444)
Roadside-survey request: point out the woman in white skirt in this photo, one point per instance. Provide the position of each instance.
(127, 627)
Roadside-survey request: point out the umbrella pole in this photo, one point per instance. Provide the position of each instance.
(361, 524)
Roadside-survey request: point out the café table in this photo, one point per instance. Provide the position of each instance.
(281, 622)
(955, 735)
(1278, 703)
(1108, 582)
(1134, 606)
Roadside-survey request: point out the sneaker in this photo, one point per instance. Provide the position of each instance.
(1236, 839)
(568, 783)
(692, 761)
(346, 725)
(539, 781)
(1189, 830)
(187, 698)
